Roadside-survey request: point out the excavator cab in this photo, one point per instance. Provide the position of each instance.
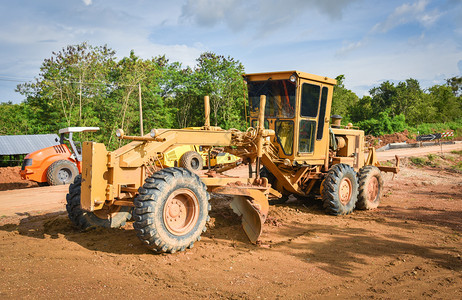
(297, 109)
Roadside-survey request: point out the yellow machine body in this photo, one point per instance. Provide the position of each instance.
(291, 137)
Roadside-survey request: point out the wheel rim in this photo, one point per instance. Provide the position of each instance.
(64, 175)
(181, 211)
(345, 191)
(107, 212)
(195, 163)
(373, 189)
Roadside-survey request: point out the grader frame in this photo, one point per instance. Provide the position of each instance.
(290, 137)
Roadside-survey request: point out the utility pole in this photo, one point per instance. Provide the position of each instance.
(141, 109)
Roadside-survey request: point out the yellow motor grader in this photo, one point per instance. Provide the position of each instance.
(290, 148)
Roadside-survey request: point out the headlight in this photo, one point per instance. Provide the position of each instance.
(119, 133)
(27, 162)
(292, 78)
(153, 133)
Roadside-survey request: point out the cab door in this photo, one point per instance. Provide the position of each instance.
(313, 120)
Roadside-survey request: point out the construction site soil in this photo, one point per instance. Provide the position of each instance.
(409, 248)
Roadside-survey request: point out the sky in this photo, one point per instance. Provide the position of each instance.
(368, 41)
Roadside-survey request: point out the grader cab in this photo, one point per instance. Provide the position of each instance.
(290, 148)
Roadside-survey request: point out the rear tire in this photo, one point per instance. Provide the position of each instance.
(370, 187)
(340, 190)
(111, 217)
(171, 210)
(192, 161)
(61, 172)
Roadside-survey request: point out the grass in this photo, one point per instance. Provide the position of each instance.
(449, 162)
(418, 161)
(458, 166)
(458, 152)
(431, 157)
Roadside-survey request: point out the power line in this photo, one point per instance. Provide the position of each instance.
(11, 79)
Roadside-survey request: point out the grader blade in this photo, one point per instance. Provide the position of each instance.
(252, 205)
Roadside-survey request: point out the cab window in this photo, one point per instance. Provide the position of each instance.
(280, 97)
(285, 135)
(255, 124)
(322, 113)
(306, 138)
(310, 100)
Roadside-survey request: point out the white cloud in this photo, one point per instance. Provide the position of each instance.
(349, 47)
(87, 2)
(409, 13)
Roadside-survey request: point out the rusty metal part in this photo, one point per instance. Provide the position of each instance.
(345, 190)
(393, 170)
(181, 211)
(123, 203)
(107, 212)
(372, 189)
(251, 204)
(340, 142)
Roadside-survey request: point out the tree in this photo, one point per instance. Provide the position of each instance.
(68, 86)
(221, 79)
(342, 99)
(456, 85)
(13, 118)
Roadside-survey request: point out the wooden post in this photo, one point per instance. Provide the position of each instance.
(261, 127)
(141, 110)
(207, 111)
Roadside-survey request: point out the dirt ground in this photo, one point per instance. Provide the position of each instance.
(411, 247)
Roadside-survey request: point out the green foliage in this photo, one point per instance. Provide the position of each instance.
(83, 85)
(383, 124)
(431, 157)
(394, 108)
(430, 128)
(13, 119)
(342, 99)
(418, 161)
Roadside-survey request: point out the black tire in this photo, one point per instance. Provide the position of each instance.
(42, 183)
(61, 172)
(191, 161)
(340, 190)
(108, 218)
(167, 195)
(370, 187)
(264, 172)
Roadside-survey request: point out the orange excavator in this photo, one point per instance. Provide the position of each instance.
(58, 164)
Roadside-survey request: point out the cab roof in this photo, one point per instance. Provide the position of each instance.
(287, 74)
(78, 129)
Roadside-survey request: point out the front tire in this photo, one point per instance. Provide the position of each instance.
(109, 217)
(61, 172)
(370, 187)
(171, 210)
(340, 190)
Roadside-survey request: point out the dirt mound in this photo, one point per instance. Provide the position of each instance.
(11, 180)
(397, 137)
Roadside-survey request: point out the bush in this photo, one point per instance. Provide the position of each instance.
(429, 128)
(384, 124)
